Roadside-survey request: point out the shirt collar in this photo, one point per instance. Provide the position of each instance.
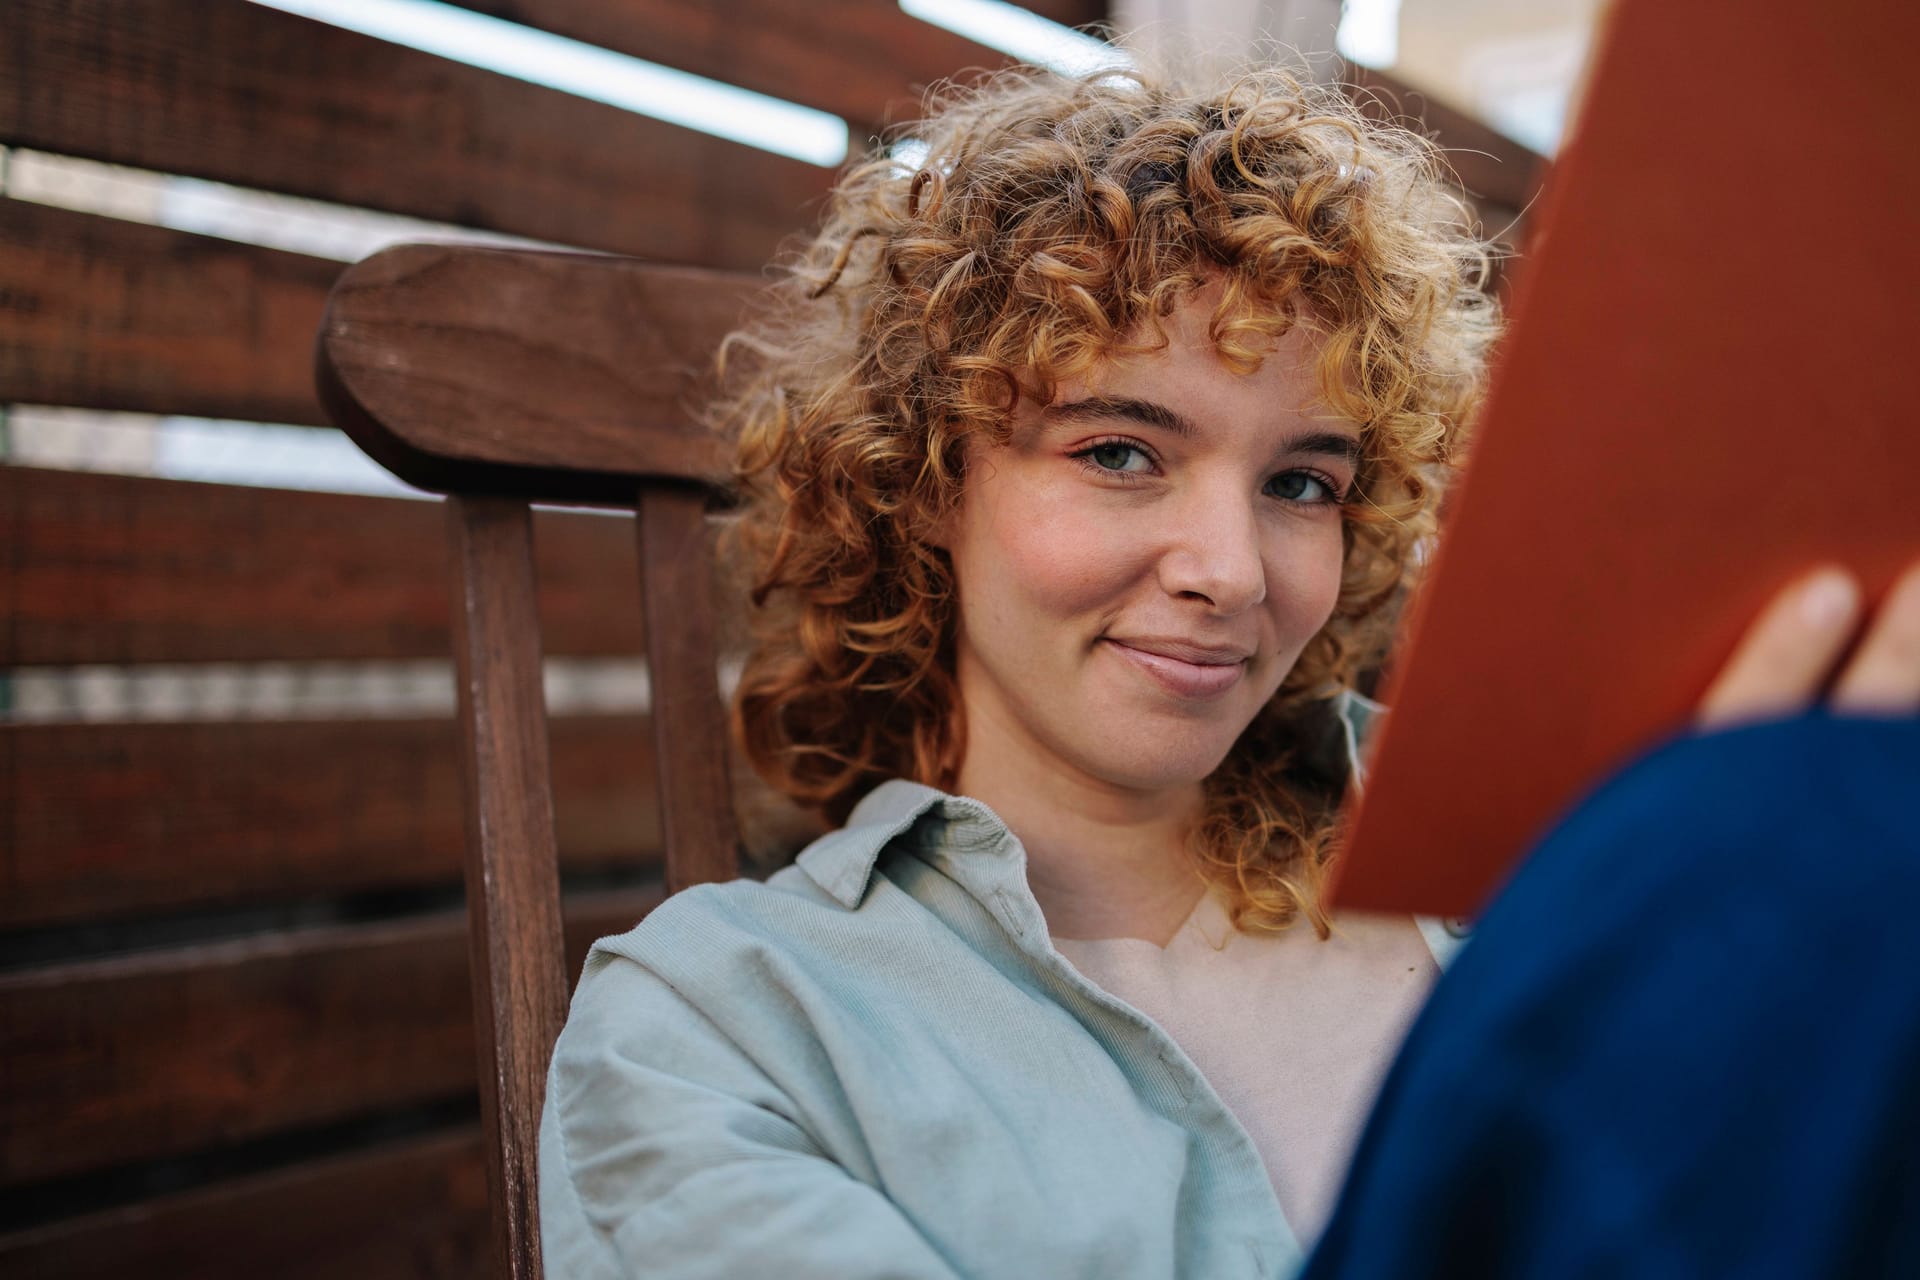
(843, 862)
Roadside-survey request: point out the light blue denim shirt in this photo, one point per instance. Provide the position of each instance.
(875, 1064)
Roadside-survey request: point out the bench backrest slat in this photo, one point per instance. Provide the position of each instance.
(690, 733)
(554, 376)
(513, 879)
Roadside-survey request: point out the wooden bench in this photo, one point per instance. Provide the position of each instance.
(504, 378)
(235, 1027)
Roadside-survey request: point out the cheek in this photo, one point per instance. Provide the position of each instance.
(1306, 584)
(1052, 561)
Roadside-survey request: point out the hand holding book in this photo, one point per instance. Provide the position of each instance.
(1701, 398)
(1789, 657)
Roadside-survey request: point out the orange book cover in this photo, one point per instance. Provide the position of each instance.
(1708, 388)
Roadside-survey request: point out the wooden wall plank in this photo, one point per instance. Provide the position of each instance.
(102, 821)
(863, 60)
(101, 313)
(117, 569)
(228, 90)
(1070, 13)
(407, 1211)
(148, 1055)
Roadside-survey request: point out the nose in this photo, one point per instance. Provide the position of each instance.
(1213, 554)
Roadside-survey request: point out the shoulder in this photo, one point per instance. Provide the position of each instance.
(808, 905)
(703, 939)
(701, 989)
(745, 953)
(853, 936)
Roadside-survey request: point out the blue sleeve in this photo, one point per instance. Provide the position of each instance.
(1685, 1040)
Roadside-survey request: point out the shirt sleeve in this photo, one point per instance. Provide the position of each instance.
(666, 1151)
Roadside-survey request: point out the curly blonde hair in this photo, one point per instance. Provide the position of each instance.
(1043, 224)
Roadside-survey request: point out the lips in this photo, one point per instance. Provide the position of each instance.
(1183, 668)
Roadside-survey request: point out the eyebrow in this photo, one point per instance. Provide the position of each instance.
(1331, 443)
(1144, 411)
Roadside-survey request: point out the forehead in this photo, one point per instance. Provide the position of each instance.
(1211, 362)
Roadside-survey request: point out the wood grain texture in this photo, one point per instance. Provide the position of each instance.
(227, 90)
(101, 313)
(513, 882)
(166, 1053)
(408, 1211)
(562, 377)
(114, 569)
(106, 821)
(1070, 13)
(690, 729)
(863, 60)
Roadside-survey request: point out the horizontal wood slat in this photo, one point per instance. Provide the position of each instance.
(117, 569)
(228, 90)
(561, 377)
(863, 60)
(408, 1211)
(100, 313)
(1070, 13)
(111, 1061)
(113, 820)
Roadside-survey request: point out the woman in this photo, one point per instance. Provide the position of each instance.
(1086, 463)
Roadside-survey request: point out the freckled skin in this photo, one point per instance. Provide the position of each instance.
(1057, 557)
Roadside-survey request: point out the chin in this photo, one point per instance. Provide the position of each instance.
(1162, 763)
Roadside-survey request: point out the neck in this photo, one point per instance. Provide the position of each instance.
(1102, 861)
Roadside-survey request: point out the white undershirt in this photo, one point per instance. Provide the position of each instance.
(1293, 1033)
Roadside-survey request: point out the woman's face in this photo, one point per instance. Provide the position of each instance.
(1140, 566)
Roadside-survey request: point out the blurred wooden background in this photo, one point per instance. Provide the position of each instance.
(234, 1033)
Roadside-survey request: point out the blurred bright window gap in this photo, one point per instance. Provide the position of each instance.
(588, 71)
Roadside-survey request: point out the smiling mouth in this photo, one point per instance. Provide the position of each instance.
(1186, 671)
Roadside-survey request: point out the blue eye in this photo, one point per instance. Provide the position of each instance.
(1303, 486)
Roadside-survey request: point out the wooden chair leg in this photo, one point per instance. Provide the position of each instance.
(689, 727)
(512, 873)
